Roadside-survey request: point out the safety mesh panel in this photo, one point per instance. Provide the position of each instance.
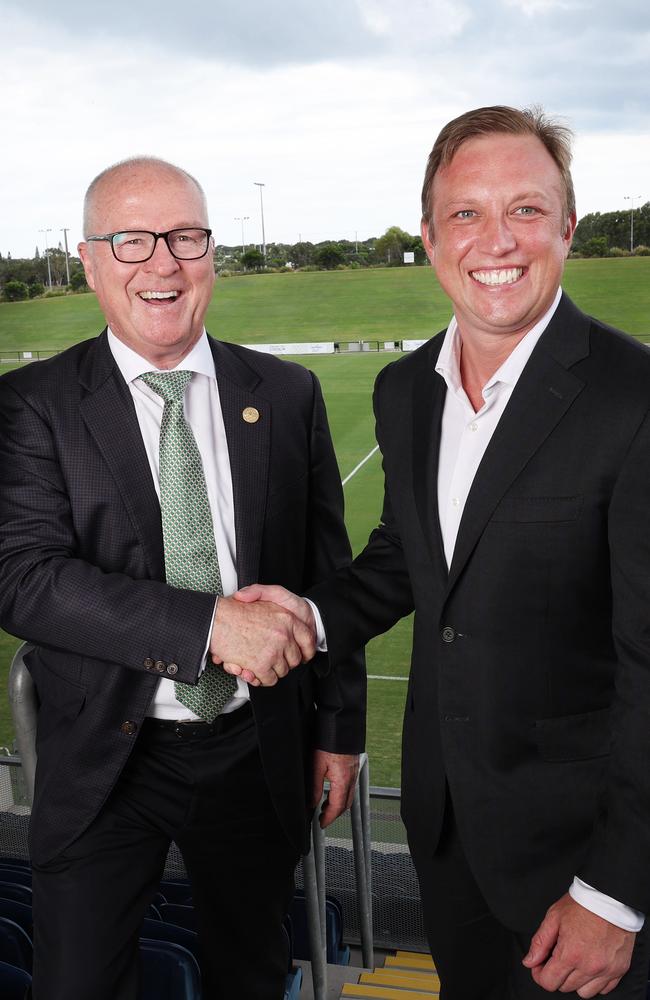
(14, 810)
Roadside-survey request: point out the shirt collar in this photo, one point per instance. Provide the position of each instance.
(448, 364)
(132, 365)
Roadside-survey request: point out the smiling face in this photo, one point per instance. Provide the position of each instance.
(157, 307)
(500, 235)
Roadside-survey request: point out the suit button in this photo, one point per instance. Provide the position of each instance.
(129, 728)
(448, 634)
(172, 668)
(148, 663)
(160, 666)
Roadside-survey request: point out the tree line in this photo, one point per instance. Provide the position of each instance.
(611, 234)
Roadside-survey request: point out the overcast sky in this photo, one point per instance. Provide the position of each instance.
(332, 105)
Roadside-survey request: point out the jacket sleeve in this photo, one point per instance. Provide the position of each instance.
(368, 596)
(50, 596)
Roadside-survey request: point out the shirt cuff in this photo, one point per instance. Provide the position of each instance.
(604, 906)
(206, 651)
(321, 641)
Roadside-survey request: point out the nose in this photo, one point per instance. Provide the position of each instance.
(497, 236)
(162, 261)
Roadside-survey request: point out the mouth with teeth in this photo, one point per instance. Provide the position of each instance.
(498, 276)
(152, 296)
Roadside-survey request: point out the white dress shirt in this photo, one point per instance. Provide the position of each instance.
(202, 409)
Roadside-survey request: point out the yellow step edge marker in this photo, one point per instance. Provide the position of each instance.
(403, 978)
(364, 992)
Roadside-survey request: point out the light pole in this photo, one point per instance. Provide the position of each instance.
(49, 269)
(67, 255)
(630, 198)
(260, 185)
(242, 219)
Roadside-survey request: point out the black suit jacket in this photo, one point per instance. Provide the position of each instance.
(529, 692)
(82, 571)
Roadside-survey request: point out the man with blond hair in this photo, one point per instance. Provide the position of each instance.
(516, 448)
(146, 474)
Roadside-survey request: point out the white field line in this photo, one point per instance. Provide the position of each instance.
(380, 677)
(361, 463)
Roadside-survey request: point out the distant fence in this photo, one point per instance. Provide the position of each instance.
(311, 347)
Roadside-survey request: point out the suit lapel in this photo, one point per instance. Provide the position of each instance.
(248, 451)
(543, 394)
(428, 403)
(109, 415)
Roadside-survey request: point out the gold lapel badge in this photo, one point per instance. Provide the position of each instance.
(250, 415)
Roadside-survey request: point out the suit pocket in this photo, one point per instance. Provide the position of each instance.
(55, 692)
(533, 510)
(574, 737)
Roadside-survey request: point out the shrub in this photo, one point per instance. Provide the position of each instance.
(78, 281)
(16, 291)
(642, 251)
(618, 252)
(35, 288)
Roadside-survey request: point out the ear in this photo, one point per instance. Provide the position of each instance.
(86, 259)
(426, 240)
(567, 236)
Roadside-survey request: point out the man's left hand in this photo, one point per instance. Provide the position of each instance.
(575, 949)
(341, 770)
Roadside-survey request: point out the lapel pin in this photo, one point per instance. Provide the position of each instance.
(250, 415)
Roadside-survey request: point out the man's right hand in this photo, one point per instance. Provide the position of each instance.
(259, 640)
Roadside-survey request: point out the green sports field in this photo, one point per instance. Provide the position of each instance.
(377, 305)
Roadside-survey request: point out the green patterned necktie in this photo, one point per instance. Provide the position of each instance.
(190, 552)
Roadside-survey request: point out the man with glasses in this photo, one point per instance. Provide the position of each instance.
(146, 475)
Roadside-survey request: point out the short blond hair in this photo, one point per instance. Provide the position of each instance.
(498, 119)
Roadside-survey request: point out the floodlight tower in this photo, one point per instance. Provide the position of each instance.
(242, 219)
(49, 269)
(631, 198)
(260, 185)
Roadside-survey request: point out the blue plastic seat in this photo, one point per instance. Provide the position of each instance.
(15, 945)
(20, 913)
(168, 972)
(13, 873)
(160, 930)
(11, 890)
(177, 891)
(176, 913)
(13, 982)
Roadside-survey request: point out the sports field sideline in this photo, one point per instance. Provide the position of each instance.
(373, 305)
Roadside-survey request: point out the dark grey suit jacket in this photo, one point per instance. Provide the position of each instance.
(529, 691)
(82, 571)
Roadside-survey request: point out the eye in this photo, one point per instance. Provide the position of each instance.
(465, 213)
(526, 210)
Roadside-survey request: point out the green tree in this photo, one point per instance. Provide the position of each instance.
(391, 246)
(78, 281)
(595, 247)
(329, 256)
(35, 289)
(301, 254)
(253, 260)
(16, 291)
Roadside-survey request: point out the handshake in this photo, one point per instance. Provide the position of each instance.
(261, 633)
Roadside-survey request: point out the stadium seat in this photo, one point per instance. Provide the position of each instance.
(168, 972)
(337, 953)
(11, 890)
(12, 873)
(176, 913)
(20, 913)
(15, 945)
(177, 891)
(159, 930)
(13, 982)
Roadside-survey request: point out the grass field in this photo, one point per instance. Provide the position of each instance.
(348, 305)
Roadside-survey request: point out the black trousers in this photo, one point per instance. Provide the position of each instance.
(476, 956)
(209, 795)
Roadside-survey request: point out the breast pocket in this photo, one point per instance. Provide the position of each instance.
(536, 510)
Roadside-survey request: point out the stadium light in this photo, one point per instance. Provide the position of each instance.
(67, 255)
(631, 198)
(49, 269)
(260, 185)
(242, 219)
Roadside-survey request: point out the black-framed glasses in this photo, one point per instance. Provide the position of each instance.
(136, 246)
